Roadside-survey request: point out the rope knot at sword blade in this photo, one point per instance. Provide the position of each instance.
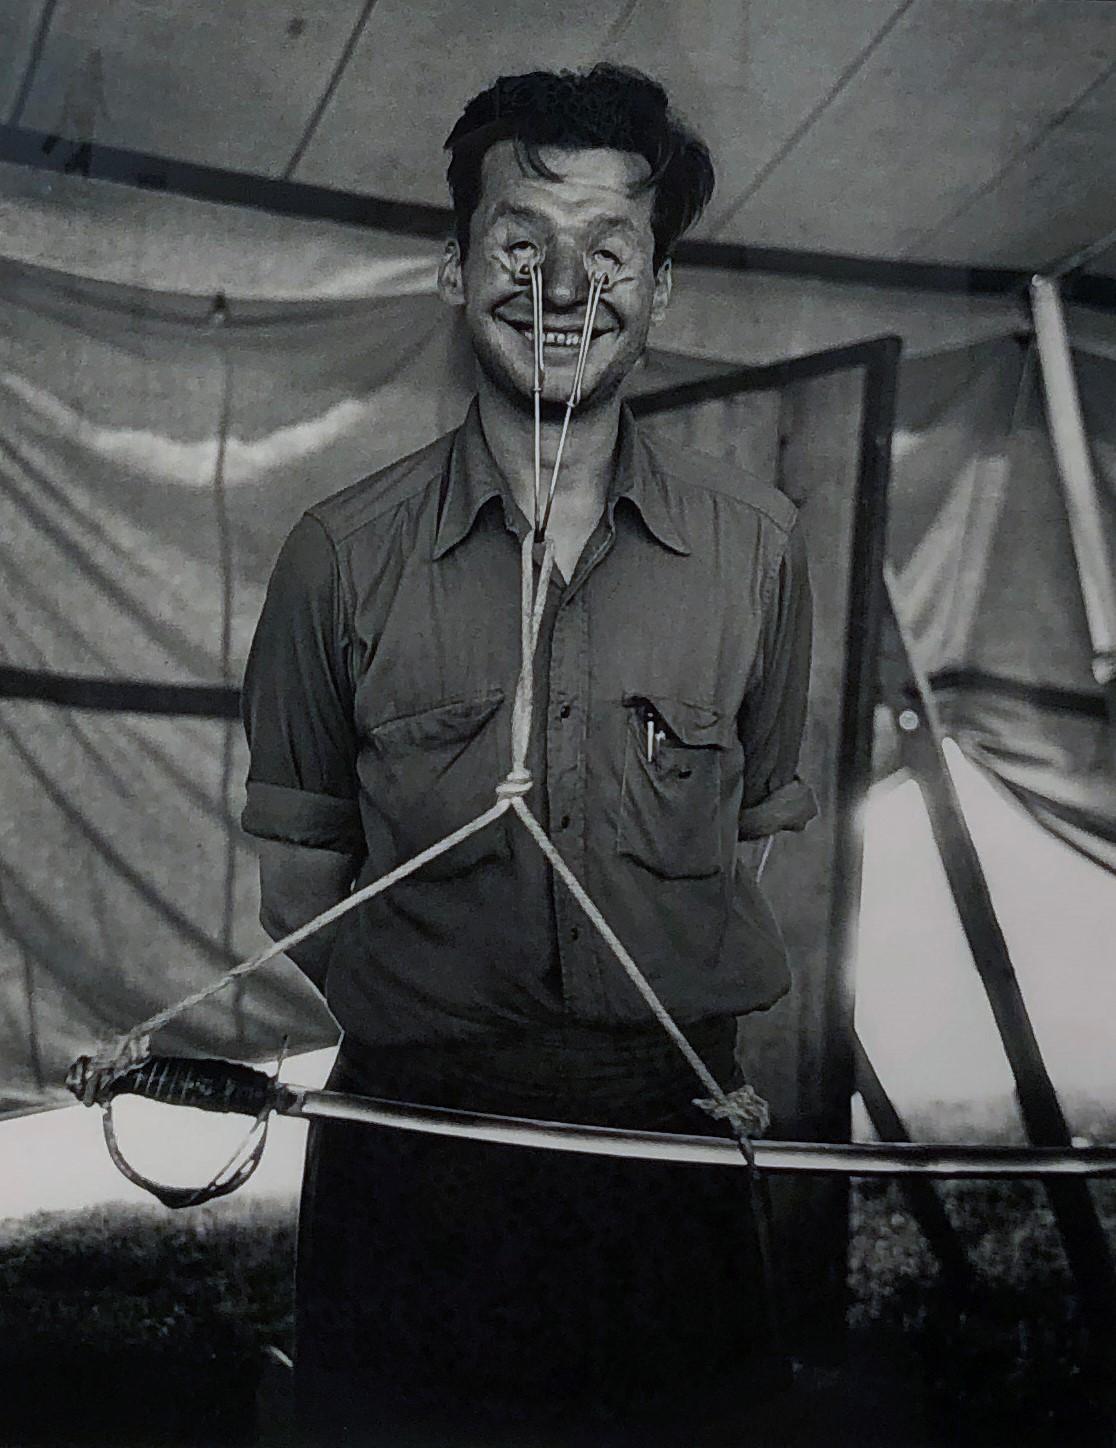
(94, 1079)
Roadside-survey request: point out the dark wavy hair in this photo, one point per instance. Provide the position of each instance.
(609, 106)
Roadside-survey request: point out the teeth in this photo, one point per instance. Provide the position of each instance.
(552, 338)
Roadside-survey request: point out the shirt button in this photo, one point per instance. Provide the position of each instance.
(564, 822)
(575, 932)
(565, 711)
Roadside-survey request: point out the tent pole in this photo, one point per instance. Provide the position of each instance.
(923, 1201)
(1082, 257)
(1083, 1236)
(1095, 569)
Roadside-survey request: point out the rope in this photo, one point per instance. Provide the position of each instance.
(535, 274)
(126, 1049)
(612, 940)
(596, 287)
(742, 1110)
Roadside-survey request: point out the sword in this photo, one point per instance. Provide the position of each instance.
(226, 1086)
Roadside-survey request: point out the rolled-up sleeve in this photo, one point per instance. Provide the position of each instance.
(773, 717)
(297, 704)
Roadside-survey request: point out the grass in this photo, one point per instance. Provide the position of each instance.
(142, 1328)
(125, 1326)
(1000, 1358)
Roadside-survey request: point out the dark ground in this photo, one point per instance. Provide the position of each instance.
(141, 1328)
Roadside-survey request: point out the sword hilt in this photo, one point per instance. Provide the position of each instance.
(208, 1085)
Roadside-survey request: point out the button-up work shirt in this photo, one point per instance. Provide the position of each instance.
(670, 698)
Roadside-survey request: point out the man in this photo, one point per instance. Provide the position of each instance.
(449, 1288)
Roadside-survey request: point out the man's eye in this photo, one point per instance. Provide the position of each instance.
(523, 248)
(607, 256)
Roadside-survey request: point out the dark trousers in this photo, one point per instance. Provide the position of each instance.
(453, 1292)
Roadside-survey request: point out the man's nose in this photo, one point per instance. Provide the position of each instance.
(565, 282)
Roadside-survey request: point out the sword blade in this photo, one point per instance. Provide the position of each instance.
(869, 1159)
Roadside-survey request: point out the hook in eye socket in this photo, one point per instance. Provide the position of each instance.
(604, 267)
(524, 255)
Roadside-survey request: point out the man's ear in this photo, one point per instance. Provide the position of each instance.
(662, 292)
(451, 285)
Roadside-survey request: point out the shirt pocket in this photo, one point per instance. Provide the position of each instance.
(433, 771)
(671, 789)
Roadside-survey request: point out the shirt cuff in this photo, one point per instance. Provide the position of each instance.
(298, 817)
(791, 807)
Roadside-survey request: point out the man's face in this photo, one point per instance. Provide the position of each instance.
(592, 216)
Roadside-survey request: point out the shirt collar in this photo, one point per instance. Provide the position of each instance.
(473, 479)
(640, 480)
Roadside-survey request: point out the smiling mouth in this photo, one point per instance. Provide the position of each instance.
(555, 339)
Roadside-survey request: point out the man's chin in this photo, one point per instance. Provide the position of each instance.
(551, 409)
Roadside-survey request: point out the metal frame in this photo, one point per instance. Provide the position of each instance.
(878, 357)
